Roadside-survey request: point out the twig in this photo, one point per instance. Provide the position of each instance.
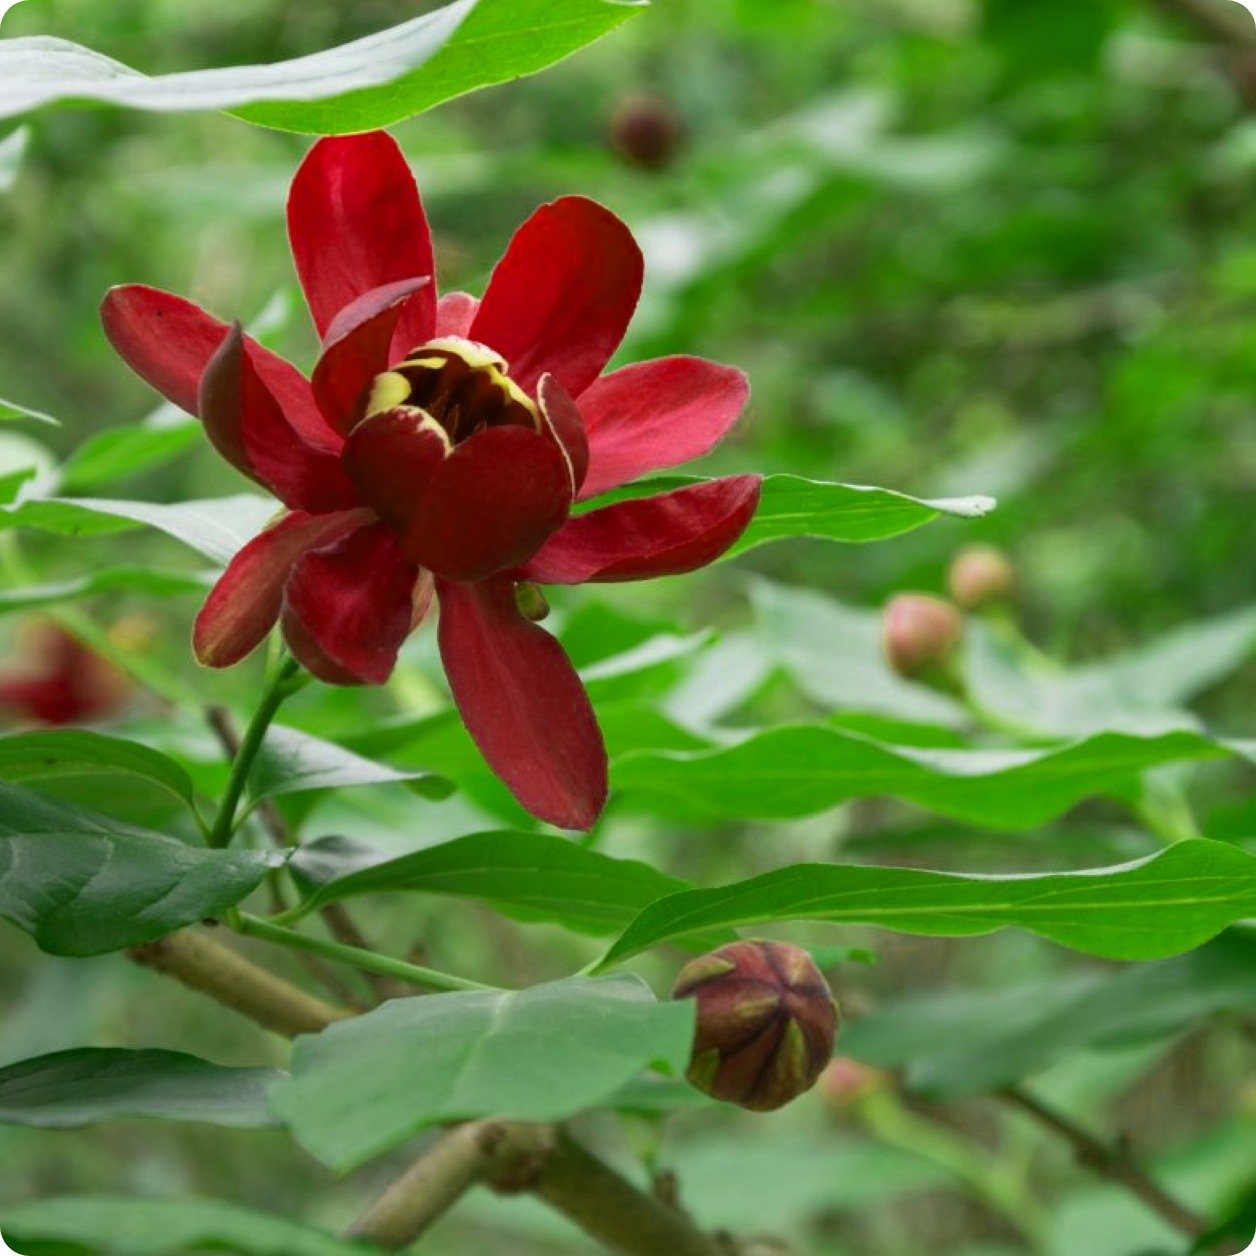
(1110, 1162)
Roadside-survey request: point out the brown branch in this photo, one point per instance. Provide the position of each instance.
(1111, 1162)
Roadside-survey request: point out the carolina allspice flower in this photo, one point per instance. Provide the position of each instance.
(981, 575)
(920, 632)
(766, 1023)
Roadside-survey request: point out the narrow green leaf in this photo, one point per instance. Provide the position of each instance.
(116, 1225)
(81, 883)
(12, 154)
(123, 451)
(11, 411)
(86, 1086)
(109, 580)
(534, 876)
(540, 1054)
(801, 770)
(293, 762)
(63, 752)
(1149, 909)
(369, 83)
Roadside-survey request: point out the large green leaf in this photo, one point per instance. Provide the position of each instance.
(59, 753)
(801, 770)
(81, 883)
(108, 580)
(530, 875)
(1148, 909)
(116, 1225)
(124, 451)
(371, 82)
(968, 1042)
(85, 1086)
(540, 1054)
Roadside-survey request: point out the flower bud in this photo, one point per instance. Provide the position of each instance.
(920, 633)
(981, 575)
(845, 1082)
(58, 681)
(645, 130)
(766, 1023)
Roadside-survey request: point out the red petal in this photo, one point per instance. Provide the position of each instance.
(356, 223)
(652, 536)
(455, 312)
(523, 703)
(353, 602)
(561, 298)
(390, 458)
(657, 414)
(245, 424)
(563, 419)
(490, 504)
(245, 603)
(168, 342)
(358, 349)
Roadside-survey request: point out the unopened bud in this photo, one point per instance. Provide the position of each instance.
(766, 1023)
(531, 601)
(845, 1081)
(646, 130)
(981, 575)
(920, 633)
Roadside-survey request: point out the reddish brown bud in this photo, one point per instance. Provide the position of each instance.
(646, 130)
(766, 1023)
(920, 632)
(981, 575)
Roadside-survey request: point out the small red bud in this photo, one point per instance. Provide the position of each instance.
(646, 130)
(981, 575)
(845, 1081)
(920, 632)
(766, 1023)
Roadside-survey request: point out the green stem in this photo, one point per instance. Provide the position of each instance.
(354, 956)
(285, 681)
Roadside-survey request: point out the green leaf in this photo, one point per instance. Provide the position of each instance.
(970, 1042)
(60, 753)
(122, 451)
(109, 580)
(533, 876)
(216, 527)
(116, 1225)
(369, 83)
(292, 762)
(12, 154)
(81, 883)
(83, 1087)
(10, 411)
(540, 1054)
(800, 770)
(1149, 909)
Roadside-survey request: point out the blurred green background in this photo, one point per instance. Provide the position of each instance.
(960, 248)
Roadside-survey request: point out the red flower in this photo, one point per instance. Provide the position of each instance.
(438, 449)
(58, 680)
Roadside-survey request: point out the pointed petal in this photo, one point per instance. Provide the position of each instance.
(651, 536)
(245, 424)
(245, 603)
(657, 414)
(490, 504)
(353, 602)
(562, 417)
(358, 348)
(391, 456)
(455, 312)
(356, 222)
(561, 298)
(522, 703)
(168, 342)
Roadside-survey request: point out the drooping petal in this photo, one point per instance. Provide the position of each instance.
(391, 456)
(245, 424)
(657, 414)
(358, 348)
(561, 298)
(245, 603)
(562, 417)
(168, 342)
(356, 222)
(651, 536)
(522, 703)
(490, 504)
(353, 601)
(455, 312)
